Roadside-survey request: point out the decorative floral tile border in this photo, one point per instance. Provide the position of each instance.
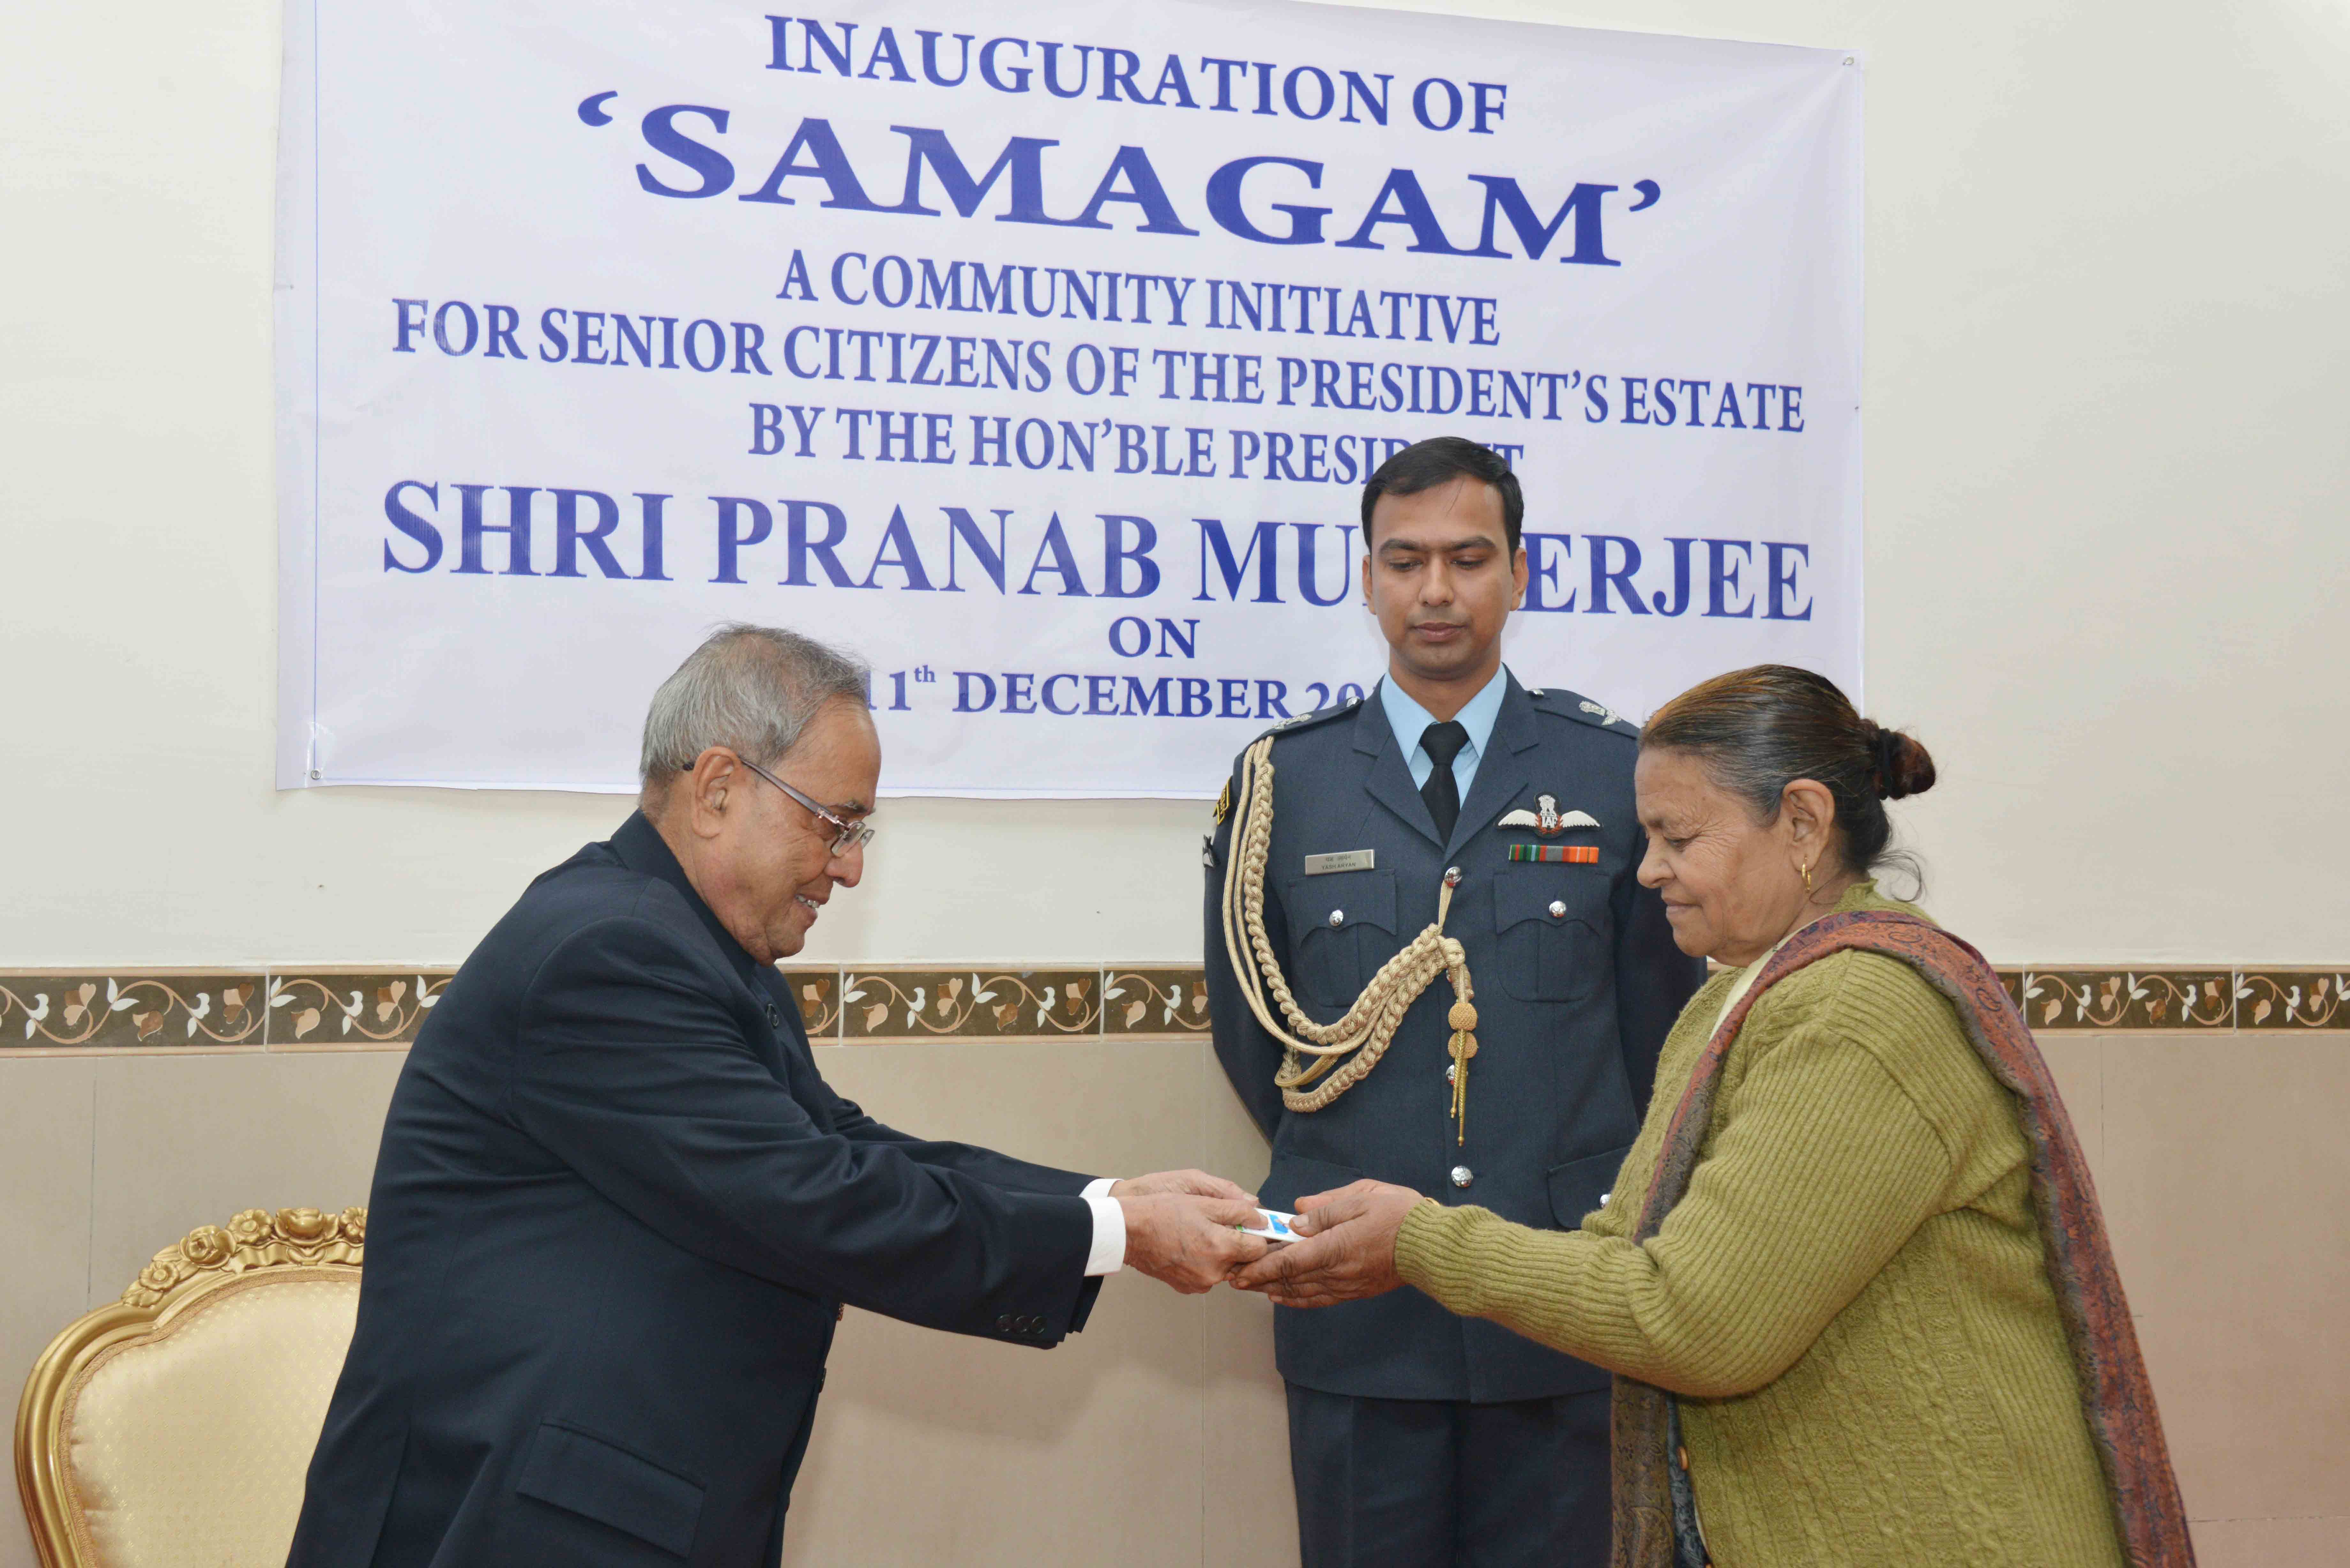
(2292, 999)
(2127, 998)
(105, 1010)
(354, 1008)
(324, 1008)
(1154, 1000)
(902, 1004)
(2198, 1000)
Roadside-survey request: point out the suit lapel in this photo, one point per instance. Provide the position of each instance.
(1389, 778)
(1503, 772)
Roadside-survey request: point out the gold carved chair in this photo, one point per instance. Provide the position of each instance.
(172, 1428)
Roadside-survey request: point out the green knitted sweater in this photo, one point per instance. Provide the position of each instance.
(1851, 1300)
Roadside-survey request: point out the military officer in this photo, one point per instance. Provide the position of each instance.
(1481, 834)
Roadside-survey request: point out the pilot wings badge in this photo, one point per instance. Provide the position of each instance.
(1546, 819)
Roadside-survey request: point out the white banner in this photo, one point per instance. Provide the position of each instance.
(1038, 352)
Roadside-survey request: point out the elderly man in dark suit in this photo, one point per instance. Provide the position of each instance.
(618, 1210)
(1418, 1439)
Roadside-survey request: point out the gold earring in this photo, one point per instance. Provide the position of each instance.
(1807, 878)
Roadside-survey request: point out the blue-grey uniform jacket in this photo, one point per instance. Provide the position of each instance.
(1576, 981)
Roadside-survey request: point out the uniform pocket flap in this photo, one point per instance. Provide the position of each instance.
(1552, 895)
(1580, 1186)
(593, 1478)
(1344, 899)
(1292, 1178)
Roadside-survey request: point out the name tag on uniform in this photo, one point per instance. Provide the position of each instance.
(1345, 860)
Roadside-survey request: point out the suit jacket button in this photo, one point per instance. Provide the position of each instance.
(1337, 917)
(1003, 1323)
(1558, 908)
(775, 1018)
(1462, 1175)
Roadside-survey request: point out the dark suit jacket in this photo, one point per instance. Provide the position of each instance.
(615, 1213)
(1572, 1009)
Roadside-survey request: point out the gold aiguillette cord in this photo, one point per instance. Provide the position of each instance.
(1323, 1061)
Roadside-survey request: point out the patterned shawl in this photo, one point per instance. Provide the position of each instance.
(2116, 1398)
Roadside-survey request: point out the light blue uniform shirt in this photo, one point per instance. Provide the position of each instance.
(1409, 720)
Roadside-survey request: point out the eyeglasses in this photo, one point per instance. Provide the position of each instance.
(848, 836)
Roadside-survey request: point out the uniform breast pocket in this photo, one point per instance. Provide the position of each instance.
(1552, 926)
(1344, 930)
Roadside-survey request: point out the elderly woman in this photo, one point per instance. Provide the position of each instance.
(1851, 1277)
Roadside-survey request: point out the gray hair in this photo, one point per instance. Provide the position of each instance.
(752, 688)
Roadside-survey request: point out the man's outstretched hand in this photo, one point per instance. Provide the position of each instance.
(1198, 1183)
(1348, 1252)
(1187, 1241)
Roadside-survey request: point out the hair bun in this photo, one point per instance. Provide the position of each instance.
(1904, 767)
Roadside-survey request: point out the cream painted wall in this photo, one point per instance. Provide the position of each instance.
(2108, 386)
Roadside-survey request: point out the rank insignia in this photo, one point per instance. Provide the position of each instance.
(1224, 804)
(1547, 819)
(1572, 854)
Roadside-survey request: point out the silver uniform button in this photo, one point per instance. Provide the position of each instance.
(1558, 908)
(1338, 916)
(1453, 876)
(1462, 1175)
(1452, 1071)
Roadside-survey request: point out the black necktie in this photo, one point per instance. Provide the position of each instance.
(1442, 743)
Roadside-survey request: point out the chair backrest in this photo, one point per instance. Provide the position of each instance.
(174, 1427)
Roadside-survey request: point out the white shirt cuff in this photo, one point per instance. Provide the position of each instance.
(1109, 1253)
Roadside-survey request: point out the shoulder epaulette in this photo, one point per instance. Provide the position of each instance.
(1223, 808)
(1319, 716)
(1565, 705)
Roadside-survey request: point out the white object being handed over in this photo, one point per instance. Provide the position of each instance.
(1275, 1227)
